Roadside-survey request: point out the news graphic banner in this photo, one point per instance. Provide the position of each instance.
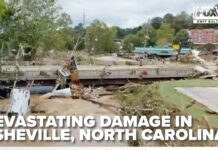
(109, 148)
(205, 15)
(61, 128)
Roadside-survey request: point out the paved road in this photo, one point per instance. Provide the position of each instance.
(206, 96)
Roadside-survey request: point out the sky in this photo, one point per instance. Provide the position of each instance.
(126, 13)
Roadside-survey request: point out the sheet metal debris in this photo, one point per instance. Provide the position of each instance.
(20, 101)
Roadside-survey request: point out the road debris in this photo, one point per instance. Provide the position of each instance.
(77, 90)
(58, 93)
(195, 54)
(20, 101)
(95, 93)
(63, 92)
(118, 107)
(201, 70)
(205, 71)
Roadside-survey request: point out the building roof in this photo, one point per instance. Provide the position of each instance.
(156, 49)
(203, 36)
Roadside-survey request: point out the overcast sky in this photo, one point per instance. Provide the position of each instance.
(127, 13)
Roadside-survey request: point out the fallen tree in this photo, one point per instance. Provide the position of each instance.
(88, 98)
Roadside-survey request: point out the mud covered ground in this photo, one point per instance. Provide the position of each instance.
(65, 106)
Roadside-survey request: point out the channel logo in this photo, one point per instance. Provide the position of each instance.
(205, 15)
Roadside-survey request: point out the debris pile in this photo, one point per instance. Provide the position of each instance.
(96, 93)
(141, 97)
(148, 96)
(204, 71)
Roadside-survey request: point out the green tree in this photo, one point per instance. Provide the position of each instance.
(182, 37)
(152, 37)
(2, 13)
(169, 19)
(130, 41)
(156, 22)
(100, 38)
(35, 23)
(121, 33)
(2, 8)
(165, 35)
(79, 34)
(135, 40)
(149, 35)
(182, 21)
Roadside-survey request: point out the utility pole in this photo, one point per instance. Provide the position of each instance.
(1, 61)
(147, 32)
(84, 18)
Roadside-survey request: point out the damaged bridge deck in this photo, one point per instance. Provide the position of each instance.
(95, 73)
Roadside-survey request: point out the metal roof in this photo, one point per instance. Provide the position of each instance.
(143, 49)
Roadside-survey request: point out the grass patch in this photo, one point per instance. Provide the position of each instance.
(173, 98)
(165, 100)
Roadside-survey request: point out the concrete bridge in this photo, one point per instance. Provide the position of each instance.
(96, 73)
